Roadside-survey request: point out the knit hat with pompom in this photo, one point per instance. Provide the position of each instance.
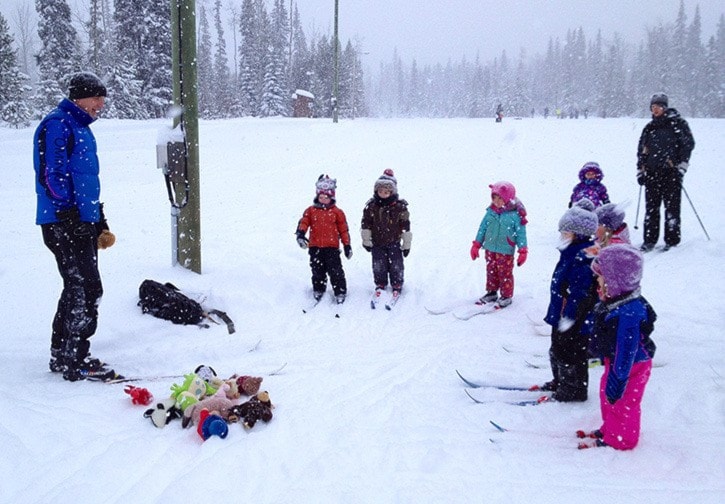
(388, 181)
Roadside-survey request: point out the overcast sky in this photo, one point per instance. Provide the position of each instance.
(432, 31)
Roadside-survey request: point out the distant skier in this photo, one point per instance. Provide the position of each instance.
(499, 113)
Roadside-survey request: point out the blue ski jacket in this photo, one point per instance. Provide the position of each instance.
(66, 164)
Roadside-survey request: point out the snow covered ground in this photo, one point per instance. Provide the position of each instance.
(368, 408)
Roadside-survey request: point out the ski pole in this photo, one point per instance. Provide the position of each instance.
(639, 200)
(693, 209)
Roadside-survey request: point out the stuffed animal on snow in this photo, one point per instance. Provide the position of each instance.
(163, 413)
(218, 404)
(259, 407)
(191, 391)
(239, 385)
(139, 395)
(211, 425)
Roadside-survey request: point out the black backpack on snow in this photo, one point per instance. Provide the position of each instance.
(167, 302)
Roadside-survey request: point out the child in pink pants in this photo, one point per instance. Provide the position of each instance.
(623, 322)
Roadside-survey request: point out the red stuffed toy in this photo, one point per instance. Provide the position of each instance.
(139, 395)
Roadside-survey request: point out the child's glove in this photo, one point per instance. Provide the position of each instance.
(523, 254)
(406, 252)
(106, 239)
(475, 247)
(348, 251)
(301, 240)
(367, 239)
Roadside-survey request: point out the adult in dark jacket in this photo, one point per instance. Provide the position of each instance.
(72, 223)
(663, 156)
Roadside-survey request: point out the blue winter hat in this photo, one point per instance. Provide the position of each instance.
(579, 221)
(621, 267)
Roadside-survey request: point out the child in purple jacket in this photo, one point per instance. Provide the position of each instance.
(590, 186)
(623, 322)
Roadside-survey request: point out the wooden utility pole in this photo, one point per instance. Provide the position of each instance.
(337, 69)
(183, 63)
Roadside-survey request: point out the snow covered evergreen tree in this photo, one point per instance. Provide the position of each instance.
(250, 58)
(158, 89)
(13, 108)
(224, 103)
(206, 85)
(275, 97)
(59, 54)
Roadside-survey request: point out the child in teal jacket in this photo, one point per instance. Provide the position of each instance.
(502, 230)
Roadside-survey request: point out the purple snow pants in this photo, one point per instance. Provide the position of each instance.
(621, 420)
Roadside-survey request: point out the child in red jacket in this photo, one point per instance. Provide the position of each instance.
(328, 226)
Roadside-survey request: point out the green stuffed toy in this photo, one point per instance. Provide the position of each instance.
(191, 391)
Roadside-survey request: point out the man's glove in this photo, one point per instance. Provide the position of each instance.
(348, 251)
(523, 254)
(682, 168)
(640, 176)
(475, 247)
(301, 240)
(406, 252)
(106, 239)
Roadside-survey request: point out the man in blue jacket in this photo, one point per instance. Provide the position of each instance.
(73, 226)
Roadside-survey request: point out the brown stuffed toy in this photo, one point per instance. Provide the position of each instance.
(259, 407)
(217, 404)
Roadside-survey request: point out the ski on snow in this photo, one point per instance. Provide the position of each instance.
(524, 402)
(478, 384)
(478, 309)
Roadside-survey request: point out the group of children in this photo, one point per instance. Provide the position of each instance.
(595, 305)
(385, 232)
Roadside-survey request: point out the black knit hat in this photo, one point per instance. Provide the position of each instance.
(85, 85)
(658, 99)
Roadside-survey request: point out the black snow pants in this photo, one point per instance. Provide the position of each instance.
(324, 262)
(76, 253)
(665, 187)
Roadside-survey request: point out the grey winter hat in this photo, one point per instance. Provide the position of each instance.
(585, 203)
(659, 99)
(85, 85)
(610, 216)
(579, 221)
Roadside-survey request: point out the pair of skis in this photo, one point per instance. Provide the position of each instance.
(473, 385)
(389, 303)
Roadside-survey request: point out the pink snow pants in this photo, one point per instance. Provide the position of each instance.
(500, 273)
(621, 420)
